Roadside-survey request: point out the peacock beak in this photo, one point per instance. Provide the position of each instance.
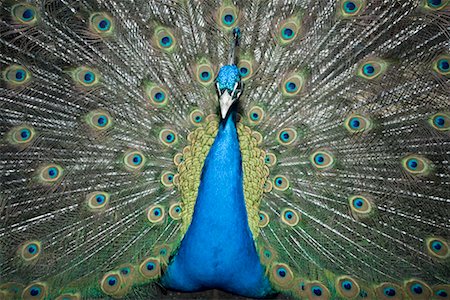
(225, 102)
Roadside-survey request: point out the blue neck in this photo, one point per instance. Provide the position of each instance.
(218, 250)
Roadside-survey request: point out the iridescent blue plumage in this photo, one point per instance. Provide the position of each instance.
(218, 250)
(228, 77)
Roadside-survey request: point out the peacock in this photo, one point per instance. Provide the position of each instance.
(266, 148)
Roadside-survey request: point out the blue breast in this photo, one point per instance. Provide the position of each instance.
(218, 250)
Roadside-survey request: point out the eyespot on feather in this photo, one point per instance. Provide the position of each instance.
(287, 136)
(164, 39)
(288, 30)
(441, 65)
(317, 291)
(21, 135)
(197, 117)
(204, 72)
(150, 268)
(356, 123)
(280, 183)
(389, 291)
(270, 160)
(97, 201)
(372, 68)
(50, 174)
(255, 115)
(167, 179)
(112, 283)
(281, 275)
(156, 95)
(418, 290)
(437, 247)
(290, 217)
(25, 13)
(227, 16)
(12, 289)
(99, 120)
(245, 67)
(175, 211)
(360, 206)
(155, 214)
(293, 84)
(347, 287)
(441, 291)
(416, 165)
(322, 159)
(267, 255)
(85, 77)
(16, 75)
(263, 219)
(440, 121)
(101, 23)
(168, 137)
(351, 8)
(30, 250)
(35, 291)
(134, 160)
(435, 5)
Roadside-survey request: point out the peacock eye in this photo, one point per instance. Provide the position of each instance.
(357, 124)
(101, 23)
(85, 77)
(50, 173)
(263, 219)
(435, 4)
(288, 30)
(227, 16)
(290, 217)
(287, 136)
(228, 19)
(287, 33)
(150, 267)
(316, 290)
(134, 160)
(205, 75)
(372, 69)
(416, 165)
(37, 290)
(255, 115)
(167, 179)
(322, 159)
(441, 65)
(243, 71)
(155, 213)
(16, 75)
(350, 7)
(438, 248)
(347, 287)
(99, 120)
(24, 13)
(175, 211)
(389, 291)
(196, 117)
(167, 137)
(282, 275)
(164, 39)
(293, 84)
(30, 250)
(280, 183)
(156, 94)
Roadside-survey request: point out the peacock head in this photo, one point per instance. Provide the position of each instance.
(229, 87)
